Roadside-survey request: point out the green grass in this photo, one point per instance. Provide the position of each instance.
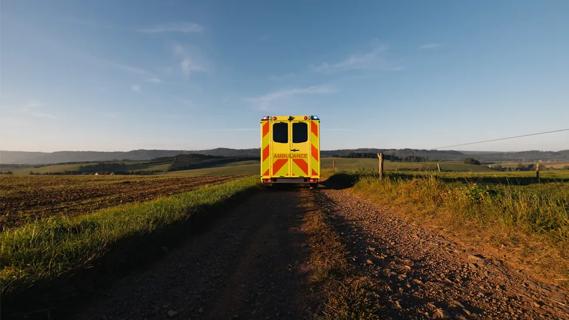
(346, 164)
(50, 169)
(534, 208)
(53, 247)
(507, 211)
(249, 167)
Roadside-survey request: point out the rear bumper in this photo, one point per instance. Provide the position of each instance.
(305, 180)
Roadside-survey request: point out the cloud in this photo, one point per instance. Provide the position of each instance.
(33, 109)
(179, 27)
(282, 77)
(188, 64)
(375, 59)
(428, 46)
(231, 130)
(154, 80)
(135, 88)
(265, 101)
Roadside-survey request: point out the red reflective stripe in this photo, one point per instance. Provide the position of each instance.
(265, 153)
(266, 173)
(314, 128)
(314, 152)
(265, 128)
(314, 173)
(302, 165)
(277, 165)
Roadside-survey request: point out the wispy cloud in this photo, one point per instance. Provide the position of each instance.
(120, 66)
(188, 63)
(33, 108)
(179, 27)
(281, 77)
(154, 80)
(135, 88)
(264, 102)
(430, 45)
(374, 59)
(231, 130)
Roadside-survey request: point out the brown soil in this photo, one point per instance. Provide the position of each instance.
(30, 198)
(297, 254)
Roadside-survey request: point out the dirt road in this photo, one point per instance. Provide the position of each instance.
(258, 262)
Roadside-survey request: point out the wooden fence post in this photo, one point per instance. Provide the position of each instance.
(438, 167)
(334, 165)
(537, 168)
(380, 165)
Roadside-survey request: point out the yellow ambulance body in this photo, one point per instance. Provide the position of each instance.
(290, 149)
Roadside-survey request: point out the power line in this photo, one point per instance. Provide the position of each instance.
(501, 139)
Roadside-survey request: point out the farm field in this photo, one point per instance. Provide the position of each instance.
(27, 198)
(55, 225)
(141, 167)
(248, 167)
(346, 164)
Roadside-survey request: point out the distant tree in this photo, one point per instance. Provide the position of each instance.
(525, 167)
(471, 161)
(414, 159)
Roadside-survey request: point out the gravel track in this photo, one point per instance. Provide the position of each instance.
(253, 263)
(243, 267)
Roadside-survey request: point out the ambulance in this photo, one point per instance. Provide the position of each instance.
(290, 149)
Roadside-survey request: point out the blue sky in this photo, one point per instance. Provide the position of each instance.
(121, 75)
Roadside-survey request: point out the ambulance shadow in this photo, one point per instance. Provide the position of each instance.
(279, 187)
(340, 181)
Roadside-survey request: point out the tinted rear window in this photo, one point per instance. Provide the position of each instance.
(299, 132)
(280, 132)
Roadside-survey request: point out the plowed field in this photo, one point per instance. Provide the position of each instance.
(23, 199)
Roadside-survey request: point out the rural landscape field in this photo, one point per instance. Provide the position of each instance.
(301, 159)
(418, 243)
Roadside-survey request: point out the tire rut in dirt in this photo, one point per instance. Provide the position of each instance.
(245, 266)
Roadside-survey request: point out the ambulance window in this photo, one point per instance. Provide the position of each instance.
(299, 132)
(280, 132)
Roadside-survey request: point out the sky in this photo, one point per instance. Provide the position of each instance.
(122, 75)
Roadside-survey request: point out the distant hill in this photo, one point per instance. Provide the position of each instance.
(35, 158)
(442, 155)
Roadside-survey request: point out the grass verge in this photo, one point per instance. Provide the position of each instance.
(50, 248)
(528, 225)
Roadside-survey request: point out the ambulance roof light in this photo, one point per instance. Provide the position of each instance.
(313, 117)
